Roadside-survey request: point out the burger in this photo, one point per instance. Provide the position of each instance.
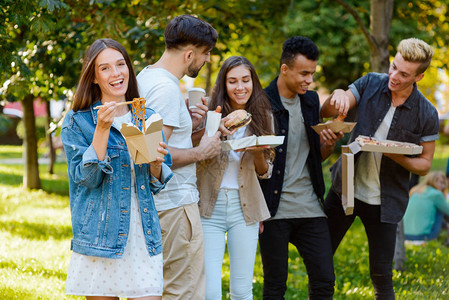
(238, 118)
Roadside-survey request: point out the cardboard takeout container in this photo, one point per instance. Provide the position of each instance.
(348, 152)
(345, 127)
(249, 141)
(143, 146)
(385, 146)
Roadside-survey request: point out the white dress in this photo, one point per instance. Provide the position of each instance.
(136, 274)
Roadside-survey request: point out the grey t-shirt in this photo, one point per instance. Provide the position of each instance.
(367, 181)
(298, 199)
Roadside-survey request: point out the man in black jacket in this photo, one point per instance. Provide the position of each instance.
(294, 193)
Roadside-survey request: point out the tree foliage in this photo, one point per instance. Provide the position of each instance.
(35, 34)
(345, 49)
(42, 42)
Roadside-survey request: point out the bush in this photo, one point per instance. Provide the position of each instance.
(5, 124)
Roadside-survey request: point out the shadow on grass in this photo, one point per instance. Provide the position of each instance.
(51, 186)
(10, 179)
(37, 231)
(59, 187)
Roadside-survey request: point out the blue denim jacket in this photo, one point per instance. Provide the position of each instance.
(100, 191)
(415, 121)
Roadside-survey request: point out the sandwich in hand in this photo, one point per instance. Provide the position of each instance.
(238, 118)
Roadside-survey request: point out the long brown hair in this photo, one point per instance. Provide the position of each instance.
(88, 92)
(258, 104)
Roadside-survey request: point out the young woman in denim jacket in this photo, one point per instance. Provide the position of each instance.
(231, 200)
(116, 233)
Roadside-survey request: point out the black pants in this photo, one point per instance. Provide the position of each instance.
(381, 239)
(311, 238)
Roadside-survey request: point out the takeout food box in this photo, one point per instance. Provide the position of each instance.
(345, 127)
(364, 143)
(249, 141)
(143, 146)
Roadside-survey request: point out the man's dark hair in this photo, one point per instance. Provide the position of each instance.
(298, 45)
(188, 30)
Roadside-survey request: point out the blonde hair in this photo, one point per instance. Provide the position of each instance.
(430, 180)
(417, 51)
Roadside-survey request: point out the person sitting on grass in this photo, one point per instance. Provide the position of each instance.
(423, 218)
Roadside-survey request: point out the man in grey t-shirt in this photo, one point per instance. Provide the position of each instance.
(294, 193)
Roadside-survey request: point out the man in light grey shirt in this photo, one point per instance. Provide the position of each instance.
(188, 41)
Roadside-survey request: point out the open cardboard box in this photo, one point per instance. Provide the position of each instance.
(249, 141)
(345, 127)
(384, 146)
(143, 146)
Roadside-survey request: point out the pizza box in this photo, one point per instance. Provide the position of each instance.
(143, 145)
(347, 189)
(250, 141)
(336, 127)
(383, 146)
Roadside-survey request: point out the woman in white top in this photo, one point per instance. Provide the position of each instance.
(231, 200)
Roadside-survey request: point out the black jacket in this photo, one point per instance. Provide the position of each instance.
(310, 106)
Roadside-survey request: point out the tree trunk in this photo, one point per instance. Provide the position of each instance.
(31, 178)
(48, 135)
(381, 14)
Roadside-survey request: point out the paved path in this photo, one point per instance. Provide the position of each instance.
(41, 161)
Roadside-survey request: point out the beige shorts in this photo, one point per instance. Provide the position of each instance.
(183, 244)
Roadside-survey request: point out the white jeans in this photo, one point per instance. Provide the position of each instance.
(227, 218)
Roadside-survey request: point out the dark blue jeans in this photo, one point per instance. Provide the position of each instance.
(311, 238)
(381, 239)
(435, 231)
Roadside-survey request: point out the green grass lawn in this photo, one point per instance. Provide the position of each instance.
(8, 152)
(35, 233)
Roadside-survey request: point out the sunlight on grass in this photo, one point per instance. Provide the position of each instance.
(35, 233)
(7, 151)
(440, 158)
(34, 252)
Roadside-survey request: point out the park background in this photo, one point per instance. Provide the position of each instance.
(42, 43)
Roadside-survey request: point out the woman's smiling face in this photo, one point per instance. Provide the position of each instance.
(111, 75)
(239, 86)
